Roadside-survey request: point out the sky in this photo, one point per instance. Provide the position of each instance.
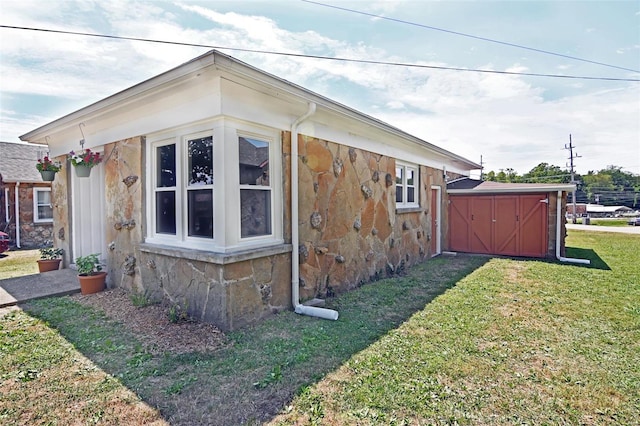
(508, 121)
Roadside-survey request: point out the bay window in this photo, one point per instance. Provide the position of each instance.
(218, 190)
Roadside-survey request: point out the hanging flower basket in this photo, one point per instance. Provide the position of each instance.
(83, 171)
(48, 176)
(48, 169)
(84, 161)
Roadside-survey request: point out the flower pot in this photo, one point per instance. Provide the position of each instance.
(90, 284)
(46, 265)
(83, 171)
(48, 175)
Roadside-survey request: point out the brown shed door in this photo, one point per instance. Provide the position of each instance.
(511, 225)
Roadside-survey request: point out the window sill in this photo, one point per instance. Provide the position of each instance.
(401, 210)
(211, 257)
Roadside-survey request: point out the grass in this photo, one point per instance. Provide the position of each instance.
(517, 341)
(15, 263)
(610, 222)
(467, 340)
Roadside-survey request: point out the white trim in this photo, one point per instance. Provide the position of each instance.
(7, 216)
(36, 216)
(439, 220)
(226, 185)
(405, 186)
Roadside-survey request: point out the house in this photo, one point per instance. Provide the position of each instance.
(510, 219)
(25, 200)
(597, 210)
(202, 197)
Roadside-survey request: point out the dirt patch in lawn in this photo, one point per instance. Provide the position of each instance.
(151, 324)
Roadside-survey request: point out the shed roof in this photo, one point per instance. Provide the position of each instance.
(474, 186)
(18, 161)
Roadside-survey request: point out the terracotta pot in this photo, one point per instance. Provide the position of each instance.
(90, 284)
(48, 175)
(46, 265)
(83, 171)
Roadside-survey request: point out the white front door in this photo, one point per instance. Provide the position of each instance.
(88, 213)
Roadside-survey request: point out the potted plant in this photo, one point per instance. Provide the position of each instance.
(50, 257)
(90, 275)
(84, 161)
(48, 168)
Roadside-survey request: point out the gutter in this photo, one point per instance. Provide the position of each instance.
(295, 234)
(16, 209)
(558, 229)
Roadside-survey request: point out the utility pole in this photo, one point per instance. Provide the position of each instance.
(571, 157)
(481, 169)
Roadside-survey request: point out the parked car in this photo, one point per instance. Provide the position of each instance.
(4, 242)
(634, 221)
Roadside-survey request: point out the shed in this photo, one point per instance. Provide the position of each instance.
(510, 219)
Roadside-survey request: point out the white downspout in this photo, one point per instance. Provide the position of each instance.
(295, 235)
(558, 230)
(7, 216)
(16, 210)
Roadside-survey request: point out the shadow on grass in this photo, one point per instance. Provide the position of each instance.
(580, 253)
(263, 367)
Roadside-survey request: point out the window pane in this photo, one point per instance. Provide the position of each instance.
(410, 173)
(399, 175)
(411, 194)
(44, 197)
(166, 160)
(255, 211)
(45, 212)
(254, 161)
(166, 212)
(201, 161)
(200, 205)
(398, 193)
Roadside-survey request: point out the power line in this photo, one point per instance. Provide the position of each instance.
(300, 55)
(519, 46)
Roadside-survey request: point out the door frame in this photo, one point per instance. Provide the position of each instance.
(437, 217)
(87, 196)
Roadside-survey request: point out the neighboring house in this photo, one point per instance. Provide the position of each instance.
(510, 219)
(197, 199)
(25, 200)
(597, 210)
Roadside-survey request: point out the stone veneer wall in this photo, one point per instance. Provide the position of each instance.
(61, 210)
(228, 295)
(350, 231)
(124, 201)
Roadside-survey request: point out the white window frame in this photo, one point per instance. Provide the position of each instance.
(404, 185)
(226, 213)
(36, 215)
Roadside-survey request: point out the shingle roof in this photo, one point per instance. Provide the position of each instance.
(18, 161)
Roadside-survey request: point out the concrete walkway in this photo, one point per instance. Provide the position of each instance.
(22, 289)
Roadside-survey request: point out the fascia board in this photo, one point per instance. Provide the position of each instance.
(131, 94)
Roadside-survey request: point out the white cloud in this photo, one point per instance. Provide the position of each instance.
(505, 118)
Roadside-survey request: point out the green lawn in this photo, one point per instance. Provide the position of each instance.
(467, 340)
(516, 342)
(14, 263)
